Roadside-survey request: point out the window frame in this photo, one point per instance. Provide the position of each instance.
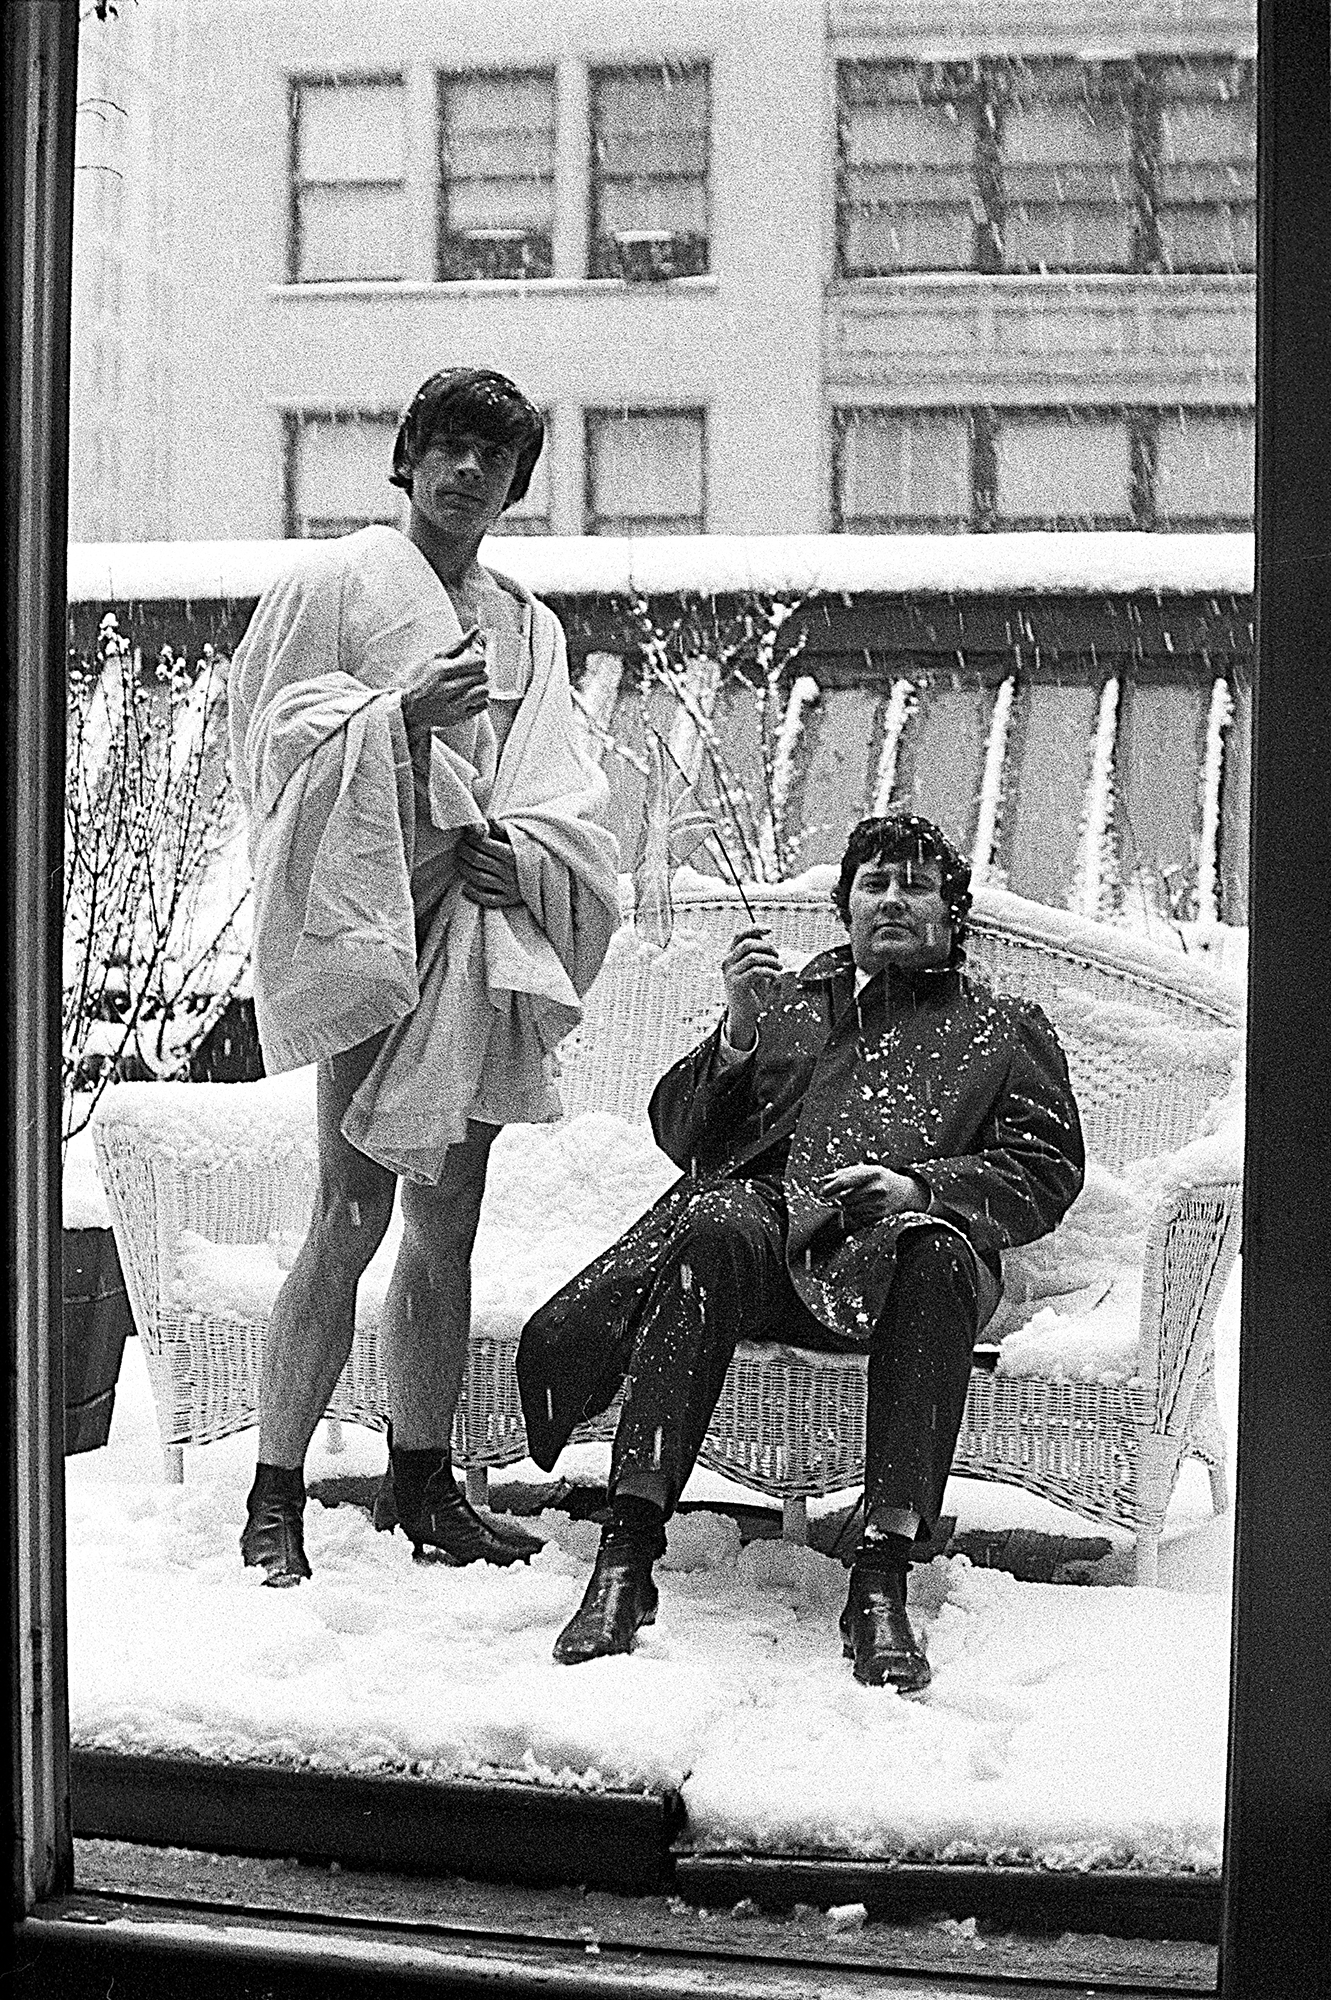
(984, 86)
(293, 422)
(650, 263)
(844, 417)
(1275, 1905)
(596, 413)
(443, 235)
(297, 81)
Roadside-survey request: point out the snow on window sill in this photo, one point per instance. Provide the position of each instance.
(416, 288)
(1172, 284)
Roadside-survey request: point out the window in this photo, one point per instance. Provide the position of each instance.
(337, 473)
(1206, 176)
(347, 185)
(649, 171)
(920, 471)
(645, 472)
(1005, 165)
(903, 469)
(1065, 167)
(496, 174)
(909, 150)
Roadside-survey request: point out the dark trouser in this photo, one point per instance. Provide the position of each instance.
(662, 1310)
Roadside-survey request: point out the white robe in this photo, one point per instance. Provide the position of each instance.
(323, 768)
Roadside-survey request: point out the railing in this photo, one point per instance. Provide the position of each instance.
(1074, 708)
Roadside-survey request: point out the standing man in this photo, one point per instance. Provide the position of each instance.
(859, 1143)
(433, 892)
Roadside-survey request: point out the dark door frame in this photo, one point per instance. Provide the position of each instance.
(1276, 1934)
(1278, 1852)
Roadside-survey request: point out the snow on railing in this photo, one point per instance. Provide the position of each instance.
(1095, 870)
(594, 565)
(901, 703)
(1218, 721)
(991, 785)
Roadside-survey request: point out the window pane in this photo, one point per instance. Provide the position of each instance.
(1066, 143)
(908, 197)
(941, 761)
(496, 149)
(650, 142)
(905, 469)
(1205, 468)
(673, 206)
(340, 474)
(924, 237)
(350, 131)
(1053, 729)
(520, 102)
(350, 232)
(1064, 469)
(1157, 809)
(636, 106)
(646, 472)
(501, 204)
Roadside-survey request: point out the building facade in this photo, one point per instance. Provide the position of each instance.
(769, 266)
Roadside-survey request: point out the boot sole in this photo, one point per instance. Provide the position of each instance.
(431, 1552)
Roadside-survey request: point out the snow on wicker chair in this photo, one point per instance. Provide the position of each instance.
(210, 1186)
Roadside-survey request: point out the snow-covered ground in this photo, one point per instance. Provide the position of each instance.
(1080, 1726)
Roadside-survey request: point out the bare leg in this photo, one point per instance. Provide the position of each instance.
(427, 1314)
(310, 1333)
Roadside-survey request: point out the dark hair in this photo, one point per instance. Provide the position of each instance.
(471, 399)
(908, 837)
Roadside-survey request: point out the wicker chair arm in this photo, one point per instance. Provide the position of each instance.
(169, 1163)
(1191, 1246)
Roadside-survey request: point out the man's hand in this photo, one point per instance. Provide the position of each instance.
(748, 967)
(869, 1193)
(488, 868)
(448, 691)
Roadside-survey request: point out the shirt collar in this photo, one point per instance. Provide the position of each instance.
(829, 967)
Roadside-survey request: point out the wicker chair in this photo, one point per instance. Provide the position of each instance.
(790, 1424)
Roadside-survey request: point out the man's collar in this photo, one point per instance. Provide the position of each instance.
(836, 964)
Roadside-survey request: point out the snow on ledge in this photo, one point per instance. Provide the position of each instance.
(593, 565)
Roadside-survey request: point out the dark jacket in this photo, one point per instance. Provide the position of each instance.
(928, 1073)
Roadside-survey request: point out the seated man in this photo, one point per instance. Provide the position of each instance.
(859, 1142)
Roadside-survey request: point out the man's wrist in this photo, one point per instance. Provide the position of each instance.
(737, 1048)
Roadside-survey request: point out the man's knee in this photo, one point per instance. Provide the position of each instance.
(724, 1222)
(355, 1208)
(938, 1263)
(440, 1224)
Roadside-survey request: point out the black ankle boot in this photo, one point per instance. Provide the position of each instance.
(420, 1495)
(620, 1595)
(875, 1630)
(273, 1538)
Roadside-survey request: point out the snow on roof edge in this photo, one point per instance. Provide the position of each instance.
(590, 565)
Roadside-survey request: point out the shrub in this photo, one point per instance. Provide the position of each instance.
(152, 953)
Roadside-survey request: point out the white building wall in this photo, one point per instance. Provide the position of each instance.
(191, 346)
(743, 342)
(129, 280)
